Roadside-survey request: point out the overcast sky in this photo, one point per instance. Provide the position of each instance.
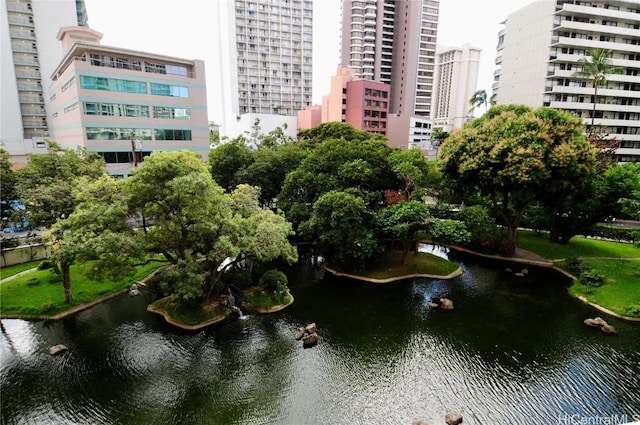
(186, 29)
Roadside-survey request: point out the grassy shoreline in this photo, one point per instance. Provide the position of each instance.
(618, 262)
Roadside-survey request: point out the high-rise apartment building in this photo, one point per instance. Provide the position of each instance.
(538, 53)
(265, 62)
(456, 81)
(125, 104)
(29, 53)
(393, 42)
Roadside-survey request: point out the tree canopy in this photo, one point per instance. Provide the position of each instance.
(515, 155)
(46, 183)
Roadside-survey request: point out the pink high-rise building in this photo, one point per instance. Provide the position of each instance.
(362, 103)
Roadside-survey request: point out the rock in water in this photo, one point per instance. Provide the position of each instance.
(310, 340)
(446, 304)
(57, 349)
(453, 419)
(310, 328)
(608, 329)
(299, 334)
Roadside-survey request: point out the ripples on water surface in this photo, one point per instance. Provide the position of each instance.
(514, 351)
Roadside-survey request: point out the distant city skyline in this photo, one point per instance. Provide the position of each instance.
(188, 31)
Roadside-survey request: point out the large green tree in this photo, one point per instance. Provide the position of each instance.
(402, 222)
(192, 218)
(95, 231)
(412, 168)
(515, 155)
(595, 67)
(346, 238)
(338, 164)
(227, 160)
(45, 185)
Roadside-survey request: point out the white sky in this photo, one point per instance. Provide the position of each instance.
(187, 29)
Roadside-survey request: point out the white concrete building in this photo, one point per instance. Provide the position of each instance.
(265, 63)
(537, 57)
(28, 55)
(456, 81)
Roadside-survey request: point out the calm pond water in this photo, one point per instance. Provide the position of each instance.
(514, 351)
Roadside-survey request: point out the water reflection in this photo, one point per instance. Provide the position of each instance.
(513, 351)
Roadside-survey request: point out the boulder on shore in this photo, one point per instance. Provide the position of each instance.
(609, 330)
(419, 423)
(57, 349)
(453, 418)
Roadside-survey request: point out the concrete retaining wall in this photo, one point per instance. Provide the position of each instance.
(23, 254)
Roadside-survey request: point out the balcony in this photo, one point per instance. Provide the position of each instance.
(17, 20)
(25, 60)
(597, 12)
(23, 48)
(27, 74)
(25, 34)
(25, 99)
(33, 112)
(18, 7)
(29, 87)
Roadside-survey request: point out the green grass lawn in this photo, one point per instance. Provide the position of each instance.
(577, 247)
(389, 265)
(621, 289)
(620, 292)
(190, 315)
(17, 268)
(40, 292)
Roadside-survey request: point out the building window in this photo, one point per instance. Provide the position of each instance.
(115, 110)
(168, 90)
(111, 133)
(171, 113)
(111, 84)
(170, 134)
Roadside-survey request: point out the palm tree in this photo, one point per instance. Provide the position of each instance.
(478, 99)
(596, 69)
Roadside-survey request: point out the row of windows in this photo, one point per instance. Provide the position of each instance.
(122, 110)
(102, 133)
(128, 86)
(136, 65)
(120, 157)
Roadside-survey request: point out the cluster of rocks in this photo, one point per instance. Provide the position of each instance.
(441, 303)
(599, 322)
(308, 335)
(450, 419)
(521, 273)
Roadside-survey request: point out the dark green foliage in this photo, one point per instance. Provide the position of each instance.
(6, 243)
(227, 160)
(239, 278)
(185, 280)
(55, 277)
(592, 277)
(576, 266)
(274, 280)
(33, 281)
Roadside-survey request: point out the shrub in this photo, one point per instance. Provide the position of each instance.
(633, 310)
(55, 277)
(45, 264)
(274, 280)
(576, 266)
(506, 248)
(592, 277)
(33, 281)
